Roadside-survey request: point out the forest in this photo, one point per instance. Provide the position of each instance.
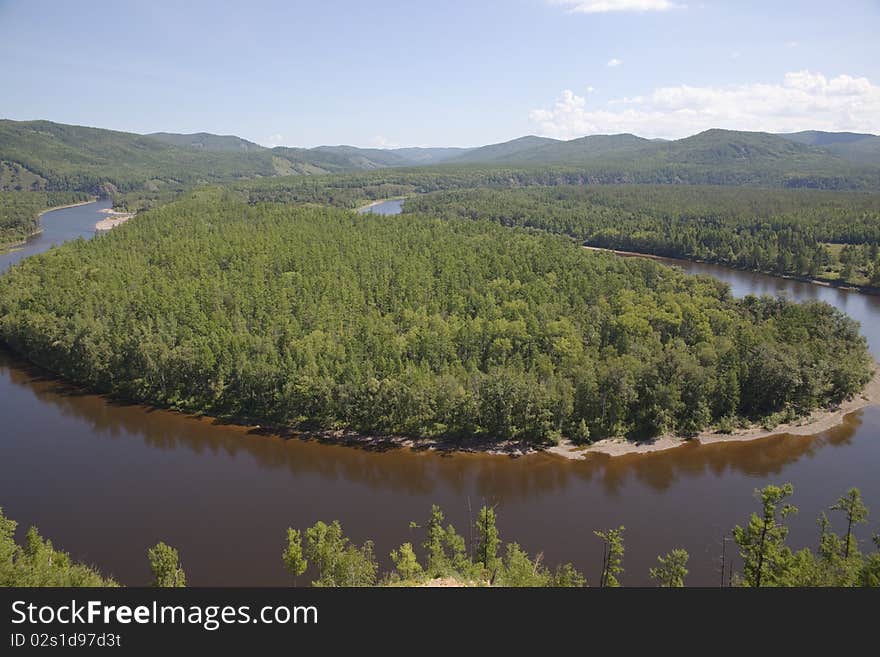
(20, 212)
(447, 558)
(321, 319)
(831, 236)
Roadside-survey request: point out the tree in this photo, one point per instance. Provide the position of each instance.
(520, 571)
(671, 569)
(165, 564)
(762, 542)
(338, 561)
(856, 512)
(612, 557)
(406, 563)
(487, 540)
(437, 562)
(582, 432)
(293, 557)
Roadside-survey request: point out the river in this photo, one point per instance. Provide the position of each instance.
(105, 481)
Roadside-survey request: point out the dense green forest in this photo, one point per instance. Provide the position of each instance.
(317, 317)
(828, 235)
(20, 211)
(449, 558)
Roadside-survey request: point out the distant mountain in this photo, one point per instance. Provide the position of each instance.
(366, 158)
(54, 156)
(69, 157)
(504, 152)
(423, 156)
(207, 142)
(854, 146)
(588, 149)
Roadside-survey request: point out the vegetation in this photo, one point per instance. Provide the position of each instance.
(774, 231)
(769, 561)
(446, 556)
(20, 212)
(445, 553)
(320, 318)
(165, 564)
(38, 563)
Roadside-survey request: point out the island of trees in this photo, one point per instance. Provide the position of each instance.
(317, 318)
(448, 558)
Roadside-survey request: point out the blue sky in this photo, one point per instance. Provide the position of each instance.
(441, 73)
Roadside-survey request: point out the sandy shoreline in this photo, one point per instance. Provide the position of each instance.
(69, 205)
(818, 421)
(379, 202)
(113, 219)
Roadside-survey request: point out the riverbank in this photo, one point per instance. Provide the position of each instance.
(371, 204)
(10, 246)
(824, 282)
(113, 219)
(816, 422)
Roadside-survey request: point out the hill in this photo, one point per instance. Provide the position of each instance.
(854, 146)
(41, 155)
(68, 157)
(504, 152)
(588, 149)
(207, 142)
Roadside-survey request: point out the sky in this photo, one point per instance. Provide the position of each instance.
(441, 72)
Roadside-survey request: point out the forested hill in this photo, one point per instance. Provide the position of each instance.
(854, 146)
(722, 157)
(318, 317)
(207, 142)
(40, 155)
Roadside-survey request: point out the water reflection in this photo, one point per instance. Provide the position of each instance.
(418, 473)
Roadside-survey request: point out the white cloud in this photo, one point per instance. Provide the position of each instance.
(383, 142)
(614, 62)
(801, 101)
(274, 140)
(791, 44)
(605, 6)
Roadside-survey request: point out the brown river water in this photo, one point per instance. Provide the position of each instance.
(106, 480)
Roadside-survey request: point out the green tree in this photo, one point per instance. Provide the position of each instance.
(165, 564)
(612, 557)
(762, 542)
(293, 557)
(337, 560)
(671, 569)
(406, 563)
(487, 540)
(855, 511)
(520, 571)
(582, 432)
